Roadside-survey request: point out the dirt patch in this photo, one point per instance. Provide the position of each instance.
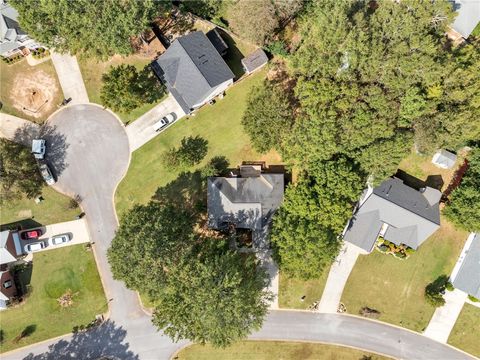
(33, 93)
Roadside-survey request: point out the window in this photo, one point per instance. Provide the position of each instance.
(7, 284)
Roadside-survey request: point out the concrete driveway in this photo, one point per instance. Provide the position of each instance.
(70, 78)
(141, 130)
(19, 130)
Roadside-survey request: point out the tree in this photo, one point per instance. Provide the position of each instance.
(268, 117)
(124, 89)
(192, 150)
(98, 28)
(150, 240)
(215, 296)
(207, 9)
(434, 291)
(255, 20)
(19, 174)
(463, 207)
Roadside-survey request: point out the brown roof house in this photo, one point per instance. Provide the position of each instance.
(10, 249)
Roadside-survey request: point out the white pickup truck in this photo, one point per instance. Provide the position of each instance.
(38, 148)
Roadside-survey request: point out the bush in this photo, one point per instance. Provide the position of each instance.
(473, 298)
(277, 48)
(449, 286)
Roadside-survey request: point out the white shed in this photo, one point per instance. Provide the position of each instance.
(444, 159)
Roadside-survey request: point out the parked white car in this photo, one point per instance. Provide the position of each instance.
(36, 246)
(59, 239)
(164, 122)
(47, 174)
(38, 148)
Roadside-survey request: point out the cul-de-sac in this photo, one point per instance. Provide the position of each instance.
(239, 179)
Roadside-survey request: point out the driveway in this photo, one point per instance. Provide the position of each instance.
(77, 229)
(337, 278)
(141, 130)
(70, 78)
(11, 127)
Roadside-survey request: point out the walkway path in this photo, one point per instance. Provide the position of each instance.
(337, 278)
(444, 318)
(70, 78)
(141, 130)
(19, 130)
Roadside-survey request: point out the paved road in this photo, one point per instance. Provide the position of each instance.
(337, 278)
(70, 78)
(90, 153)
(141, 130)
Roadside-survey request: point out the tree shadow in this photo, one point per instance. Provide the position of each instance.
(106, 340)
(21, 225)
(56, 148)
(149, 88)
(26, 133)
(433, 181)
(234, 55)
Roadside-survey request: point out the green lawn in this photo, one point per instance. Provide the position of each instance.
(476, 31)
(219, 124)
(291, 290)
(54, 272)
(278, 350)
(53, 209)
(466, 332)
(8, 75)
(396, 287)
(92, 71)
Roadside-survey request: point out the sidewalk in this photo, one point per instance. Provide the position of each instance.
(141, 130)
(337, 278)
(444, 318)
(70, 78)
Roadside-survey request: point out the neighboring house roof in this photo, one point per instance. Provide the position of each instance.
(411, 215)
(217, 41)
(254, 61)
(191, 68)
(11, 35)
(468, 277)
(468, 16)
(444, 159)
(247, 202)
(7, 248)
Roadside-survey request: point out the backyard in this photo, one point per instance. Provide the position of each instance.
(29, 92)
(54, 208)
(264, 350)
(396, 287)
(219, 124)
(291, 291)
(466, 332)
(92, 71)
(54, 273)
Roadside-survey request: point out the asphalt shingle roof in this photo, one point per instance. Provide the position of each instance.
(468, 277)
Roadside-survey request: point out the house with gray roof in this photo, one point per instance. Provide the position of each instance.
(468, 17)
(467, 278)
(12, 38)
(193, 71)
(246, 201)
(255, 61)
(397, 212)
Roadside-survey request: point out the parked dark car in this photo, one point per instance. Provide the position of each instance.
(31, 234)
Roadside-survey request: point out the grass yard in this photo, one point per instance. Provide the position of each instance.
(54, 272)
(279, 350)
(420, 166)
(53, 209)
(466, 332)
(218, 124)
(18, 83)
(396, 287)
(92, 71)
(291, 290)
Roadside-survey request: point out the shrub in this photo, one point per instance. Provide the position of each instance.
(473, 298)
(277, 48)
(449, 286)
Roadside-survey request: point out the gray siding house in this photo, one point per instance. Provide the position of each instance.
(397, 212)
(193, 71)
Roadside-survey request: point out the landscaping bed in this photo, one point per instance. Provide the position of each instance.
(466, 332)
(396, 288)
(92, 71)
(55, 272)
(29, 92)
(54, 208)
(300, 294)
(263, 350)
(219, 124)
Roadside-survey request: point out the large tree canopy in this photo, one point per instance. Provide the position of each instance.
(463, 207)
(19, 174)
(97, 28)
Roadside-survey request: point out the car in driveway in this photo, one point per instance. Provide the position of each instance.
(164, 121)
(36, 246)
(38, 148)
(46, 174)
(31, 234)
(59, 239)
